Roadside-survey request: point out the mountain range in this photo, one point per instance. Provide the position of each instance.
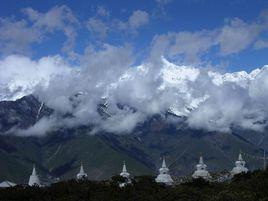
(59, 152)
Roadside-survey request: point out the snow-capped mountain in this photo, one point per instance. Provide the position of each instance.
(182, 78)
(241, 78)
(19, 76)
(21, 84)
(179, 75)
(149, 90)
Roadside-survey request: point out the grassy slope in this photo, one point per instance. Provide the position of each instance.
(17, 157)
(63, 159)
(183, 149)
(60, 155)
(99, 159)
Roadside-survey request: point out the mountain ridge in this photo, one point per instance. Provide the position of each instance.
(59, 153)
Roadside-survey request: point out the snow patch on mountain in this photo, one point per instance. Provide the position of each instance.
(241, 78)
(19, 76)
(24, 75)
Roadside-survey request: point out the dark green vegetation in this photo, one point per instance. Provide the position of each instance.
(62, 159)
(246, 187)
(59, 154)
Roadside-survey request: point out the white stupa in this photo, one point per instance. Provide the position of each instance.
(6, 184)
(126, 175)
(124, 172)
(81, 175)
(201, 170)
(34, 179)
(164, 176)
(239, 166)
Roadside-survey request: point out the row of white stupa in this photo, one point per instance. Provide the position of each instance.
(200, 172)
(163, 176)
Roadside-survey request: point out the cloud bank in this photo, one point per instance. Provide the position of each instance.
(129, 95)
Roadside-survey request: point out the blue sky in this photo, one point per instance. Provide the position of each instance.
(232, 35)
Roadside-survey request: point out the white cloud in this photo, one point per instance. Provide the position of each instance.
(189, 47)
(237, 36)
(59, 18)
(19, 74)
(258, 89)
(125, 122)
(101, 11)
(160, 10)
(97, 27)
(39, 129)
(260, 44)
(101, 27)
(80, 91)
(16, 36)
(163, 1)
(56, 18)
(138, 19)
(192, 45)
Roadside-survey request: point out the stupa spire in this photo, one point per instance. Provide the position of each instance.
(201, 161)
(124, 172)
(164, 163)
(240, 157)
(34, 171)
(34, 179)
(81, 175)
(126, 175)
(81, 169)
